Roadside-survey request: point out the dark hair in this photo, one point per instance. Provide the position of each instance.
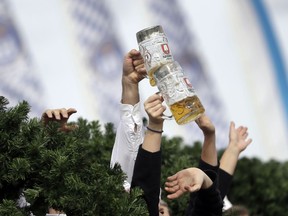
(237, 210)
(162, 202)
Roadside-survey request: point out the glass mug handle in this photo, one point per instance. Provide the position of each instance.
(165, 117)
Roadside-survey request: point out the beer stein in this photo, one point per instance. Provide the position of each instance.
(178, 93)
(154, 47)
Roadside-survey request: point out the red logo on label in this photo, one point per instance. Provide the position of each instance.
(165, 48)
(187, 82)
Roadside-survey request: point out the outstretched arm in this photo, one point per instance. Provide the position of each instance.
(62, 116)
(209, 151)
(133, 72)
(129, 133)
(147, 170)
(238, 142)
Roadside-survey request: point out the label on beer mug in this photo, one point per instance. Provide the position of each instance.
(181, 98)
(156, 52)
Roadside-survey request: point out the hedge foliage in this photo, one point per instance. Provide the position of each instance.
(70, 171)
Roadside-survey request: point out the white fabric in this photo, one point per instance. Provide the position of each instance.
(129, 136)
(227, 204)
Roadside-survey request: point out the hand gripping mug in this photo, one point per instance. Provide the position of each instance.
(178, 93)
(154, 47)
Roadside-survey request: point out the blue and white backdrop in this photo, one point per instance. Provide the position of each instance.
(69, 54)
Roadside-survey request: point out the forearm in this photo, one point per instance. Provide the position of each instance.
(209, 151)
(130, 92)
(152, 140)
(229, 159)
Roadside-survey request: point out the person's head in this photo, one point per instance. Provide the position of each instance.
(164, 210)
(237, 210)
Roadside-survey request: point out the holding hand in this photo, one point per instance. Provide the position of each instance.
(133, 67)
(187, 180)
(154, 109)
(205, 125)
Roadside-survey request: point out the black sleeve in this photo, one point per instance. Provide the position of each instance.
(146, 175)
(225, 180)
(208, 201)
(205, 166)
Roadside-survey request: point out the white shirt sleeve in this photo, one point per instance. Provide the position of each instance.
(129, 136)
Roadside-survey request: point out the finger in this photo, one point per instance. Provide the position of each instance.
(249, 141)
(171, 183)
(239, 129)
(56, 114)
(232, 125)
(133, 53)
(243, 130)
(63, 112)
(175, 195)
(173, 187)
(47, 113)
(71, 111)
(152, 101)
(142, 72)
(138, 63)
(159, 112)
(172, 190)
(172, 178)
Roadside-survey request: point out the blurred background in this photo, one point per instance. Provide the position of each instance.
(69, 53)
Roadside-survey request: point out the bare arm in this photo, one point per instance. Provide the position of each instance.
(238, 142)
(133, 72)
(209, 151)
(154, 108)
(147, 170)
(129, 135)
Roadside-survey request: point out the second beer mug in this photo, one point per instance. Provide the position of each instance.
(178, 93)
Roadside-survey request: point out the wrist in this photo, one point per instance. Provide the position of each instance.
(207, 182)
(233, 150)
(130, 93)
(154, 131)
(210, 133)
(127, 81)
(209, 136)
(155, 126)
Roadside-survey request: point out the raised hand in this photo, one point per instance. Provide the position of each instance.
(133, 67)
(59, 115)
(238, 138)
(154, 108)
(205, 125)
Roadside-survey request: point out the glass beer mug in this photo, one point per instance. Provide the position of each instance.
(168, 75)
(154, 47)
(178, 93)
